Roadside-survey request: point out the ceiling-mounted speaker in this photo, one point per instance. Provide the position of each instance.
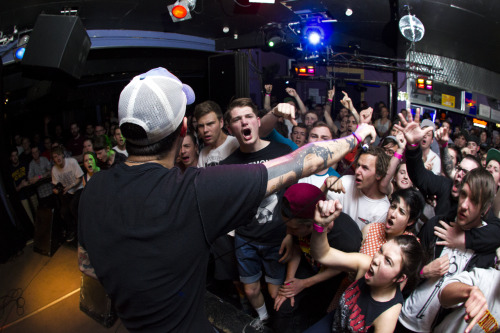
(58, 48)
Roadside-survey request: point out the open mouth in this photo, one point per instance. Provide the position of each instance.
(389, 224)
(370, 273)
(247, 133)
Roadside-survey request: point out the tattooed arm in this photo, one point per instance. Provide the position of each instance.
(84, 262)
(311, 158)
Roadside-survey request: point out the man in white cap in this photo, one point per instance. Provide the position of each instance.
(146, 228)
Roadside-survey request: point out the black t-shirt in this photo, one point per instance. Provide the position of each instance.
(148, 232)
(267, 226)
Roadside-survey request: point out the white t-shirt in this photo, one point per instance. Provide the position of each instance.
(124, 152)
(317, 179)
(67, 175)
(358, 206)
(488, 281)
(211, 157)
(420, 309)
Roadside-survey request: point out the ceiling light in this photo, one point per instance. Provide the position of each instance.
(348, 12)
(225, 29)
(181, 10)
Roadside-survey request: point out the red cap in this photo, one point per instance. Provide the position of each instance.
(303, 198)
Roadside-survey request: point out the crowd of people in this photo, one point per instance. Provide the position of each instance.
(324, 220)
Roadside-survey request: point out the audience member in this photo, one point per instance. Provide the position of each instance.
(360, 194)
(90, 166)
(373, 301)
(25, 157)
(189, 151)
(107, 156)
(299, 134)
(39, 171)
(120, 142)
(309, 286)
(431, 159)
(404, 211)
(218, 145)
(421, 308)
(258, 243)
(19, 175)
(88, 145)
(67, 180)
(383, 124)
(75, 144)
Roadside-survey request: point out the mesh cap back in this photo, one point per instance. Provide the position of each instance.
(155, 101)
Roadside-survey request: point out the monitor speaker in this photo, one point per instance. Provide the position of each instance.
(57, 49)
(228, 77)
(46, 240)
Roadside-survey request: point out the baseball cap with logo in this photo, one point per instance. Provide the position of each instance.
(156, 102)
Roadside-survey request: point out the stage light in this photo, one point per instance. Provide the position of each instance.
(314, 34)
(348, 12)
(21, 47)
(181, 10)
(19, 54)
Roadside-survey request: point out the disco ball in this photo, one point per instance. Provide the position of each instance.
(411, 28)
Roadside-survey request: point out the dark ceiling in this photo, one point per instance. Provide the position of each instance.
(467, 30)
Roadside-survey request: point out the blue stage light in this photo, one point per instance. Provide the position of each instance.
(20, 53)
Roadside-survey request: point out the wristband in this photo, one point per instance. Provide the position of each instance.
(398, 155)
(39, 177)
(444, 145)
(412, 145)
(318, 228)
(268, 94)
(330, 100)
(422, 272)
(357, 138)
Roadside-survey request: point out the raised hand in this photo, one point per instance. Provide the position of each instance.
(286, 111)
(326, 212)
(411, 128)
(291, 92)
(365, 116)
(268, 88)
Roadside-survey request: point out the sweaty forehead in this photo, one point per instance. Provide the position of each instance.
(321, 131)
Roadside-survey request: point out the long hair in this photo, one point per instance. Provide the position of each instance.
(413, 259)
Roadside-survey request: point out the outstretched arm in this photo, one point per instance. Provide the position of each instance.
(311, 158)
(347, 103)
(267, 96)
(269, 120)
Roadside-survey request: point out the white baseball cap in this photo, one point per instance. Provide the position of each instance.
(156, 101)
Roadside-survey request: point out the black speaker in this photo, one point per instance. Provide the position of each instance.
(57, 49)
(228, 77)
(46, 240)
(95, 302)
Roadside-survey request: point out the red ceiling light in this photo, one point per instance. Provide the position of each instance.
(179, 12)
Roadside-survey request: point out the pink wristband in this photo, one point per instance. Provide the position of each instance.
(445, 145)
(357, 138)
(330, 100)
(397, 155)
(268, 94)
(412, 145)
(318, 228)
(422, 272)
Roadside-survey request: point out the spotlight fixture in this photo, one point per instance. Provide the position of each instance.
(181, 10)
(348, 12)
(225, 29)
(21, 47)
(314, 35)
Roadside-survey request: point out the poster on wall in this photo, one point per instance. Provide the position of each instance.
(484, 110)
(469, 102)
(495, 115)
(448, 100)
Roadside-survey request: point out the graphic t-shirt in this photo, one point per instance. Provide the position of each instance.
(267, 226)
(211, 157)
(358, 310)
